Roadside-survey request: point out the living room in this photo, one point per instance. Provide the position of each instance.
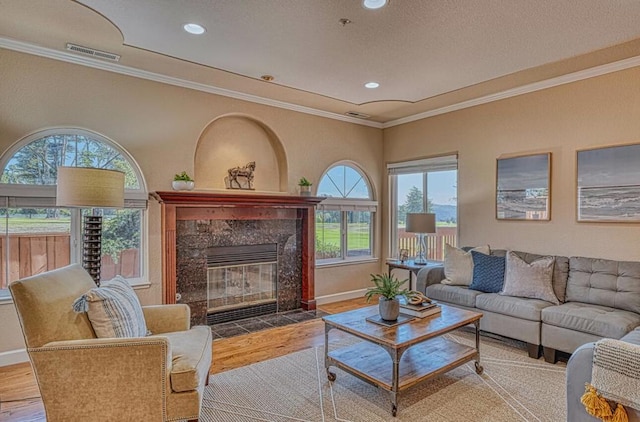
(585, 101)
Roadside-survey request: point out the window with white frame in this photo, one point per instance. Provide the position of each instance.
(345, 221)
(37, 236)
(426, 185)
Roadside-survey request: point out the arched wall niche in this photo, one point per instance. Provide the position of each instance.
(234, 140)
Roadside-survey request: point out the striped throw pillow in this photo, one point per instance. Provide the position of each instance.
(113, 309)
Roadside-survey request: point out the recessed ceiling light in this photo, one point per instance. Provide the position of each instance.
(374, 4)
(371, 85)
(194, 28)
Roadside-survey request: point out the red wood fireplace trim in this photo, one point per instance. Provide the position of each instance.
(189, 205)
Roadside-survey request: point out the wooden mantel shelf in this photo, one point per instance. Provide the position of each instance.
(186, 205)
(230, 199)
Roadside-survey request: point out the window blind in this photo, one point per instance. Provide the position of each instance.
(348, 205)
(35, 196)
(441, 163)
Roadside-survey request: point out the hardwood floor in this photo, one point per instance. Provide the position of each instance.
(19, 395)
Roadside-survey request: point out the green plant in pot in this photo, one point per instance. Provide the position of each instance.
(305, 186)
(389, 288)
(182, 181)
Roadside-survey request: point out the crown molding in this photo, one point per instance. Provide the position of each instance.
(64, 56)
(524, 89)
(37, 50)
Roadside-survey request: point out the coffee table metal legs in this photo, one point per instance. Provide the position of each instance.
(396, 355)
(479, 368)
(330, 375)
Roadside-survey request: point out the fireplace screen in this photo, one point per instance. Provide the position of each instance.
(241, 276)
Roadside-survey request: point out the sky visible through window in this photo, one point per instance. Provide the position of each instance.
(343, 182)
(441, 186)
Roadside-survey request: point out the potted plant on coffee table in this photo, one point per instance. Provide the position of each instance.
(390, 289)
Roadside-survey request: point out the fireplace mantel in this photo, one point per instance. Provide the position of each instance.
(195, 198)
(202, 205)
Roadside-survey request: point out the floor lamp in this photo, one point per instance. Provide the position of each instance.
(421, 224)
(84, 187)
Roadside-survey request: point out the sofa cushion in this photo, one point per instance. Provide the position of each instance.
(633, 337)
(529, 280)
(458, 295)
(560, 269)
(488, 272)
(113, 309)
(517, 307)
(592, 319)
(458, 264)
(191, 351)
(604, 282)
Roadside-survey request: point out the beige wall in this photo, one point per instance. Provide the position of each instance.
(160, 126)
(591, 113)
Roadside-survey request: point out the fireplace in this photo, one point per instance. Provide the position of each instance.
(195, 224)
(242, 282)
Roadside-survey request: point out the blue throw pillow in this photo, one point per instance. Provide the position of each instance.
(488, 272)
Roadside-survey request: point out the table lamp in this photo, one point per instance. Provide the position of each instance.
(84, 187)
(421, 224)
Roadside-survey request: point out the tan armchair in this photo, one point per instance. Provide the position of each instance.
(156, 378)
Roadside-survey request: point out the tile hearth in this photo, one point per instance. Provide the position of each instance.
(259, 323)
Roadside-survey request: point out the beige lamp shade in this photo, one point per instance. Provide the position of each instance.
(421, 223)
(90, 187)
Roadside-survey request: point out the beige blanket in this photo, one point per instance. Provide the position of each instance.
(616, 372)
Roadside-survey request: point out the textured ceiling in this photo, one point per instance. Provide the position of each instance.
(415, 49)
(425, 54)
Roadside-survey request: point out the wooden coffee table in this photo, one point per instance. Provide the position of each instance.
(417, 349)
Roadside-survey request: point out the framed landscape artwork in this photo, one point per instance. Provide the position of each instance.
(609, 184)
(523, 187)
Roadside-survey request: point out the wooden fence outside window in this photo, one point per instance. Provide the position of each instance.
(435, 242)
(35, 253)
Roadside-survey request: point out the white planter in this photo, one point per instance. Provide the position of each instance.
(182, 185)
(305, 190)
(389, 309)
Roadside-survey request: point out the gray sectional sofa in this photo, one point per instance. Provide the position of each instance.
(598, 298)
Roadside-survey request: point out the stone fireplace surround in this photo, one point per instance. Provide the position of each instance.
(192, 222)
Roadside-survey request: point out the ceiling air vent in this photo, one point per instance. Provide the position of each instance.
(356, 114)
(93, 52)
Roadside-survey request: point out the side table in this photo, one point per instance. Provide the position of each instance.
(412, 267)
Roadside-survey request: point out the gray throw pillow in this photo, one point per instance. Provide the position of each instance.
(458, 265)
(529, 280)
(113, 309)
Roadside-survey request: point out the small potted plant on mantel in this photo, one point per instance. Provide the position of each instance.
(305, 186)
(182, 181)
(389, 288)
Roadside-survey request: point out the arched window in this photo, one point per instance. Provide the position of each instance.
(37, 236)
(345, 221)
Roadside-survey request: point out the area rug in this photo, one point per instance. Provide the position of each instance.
(294, 387)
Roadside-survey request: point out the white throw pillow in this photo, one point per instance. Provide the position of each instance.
(458, 264)
(113, 309)
(533, 281)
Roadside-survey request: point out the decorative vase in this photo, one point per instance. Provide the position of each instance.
(389, 309)
(305, 190)
(183, 185)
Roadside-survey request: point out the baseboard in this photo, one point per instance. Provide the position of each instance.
(12, 357)
(337, 297)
